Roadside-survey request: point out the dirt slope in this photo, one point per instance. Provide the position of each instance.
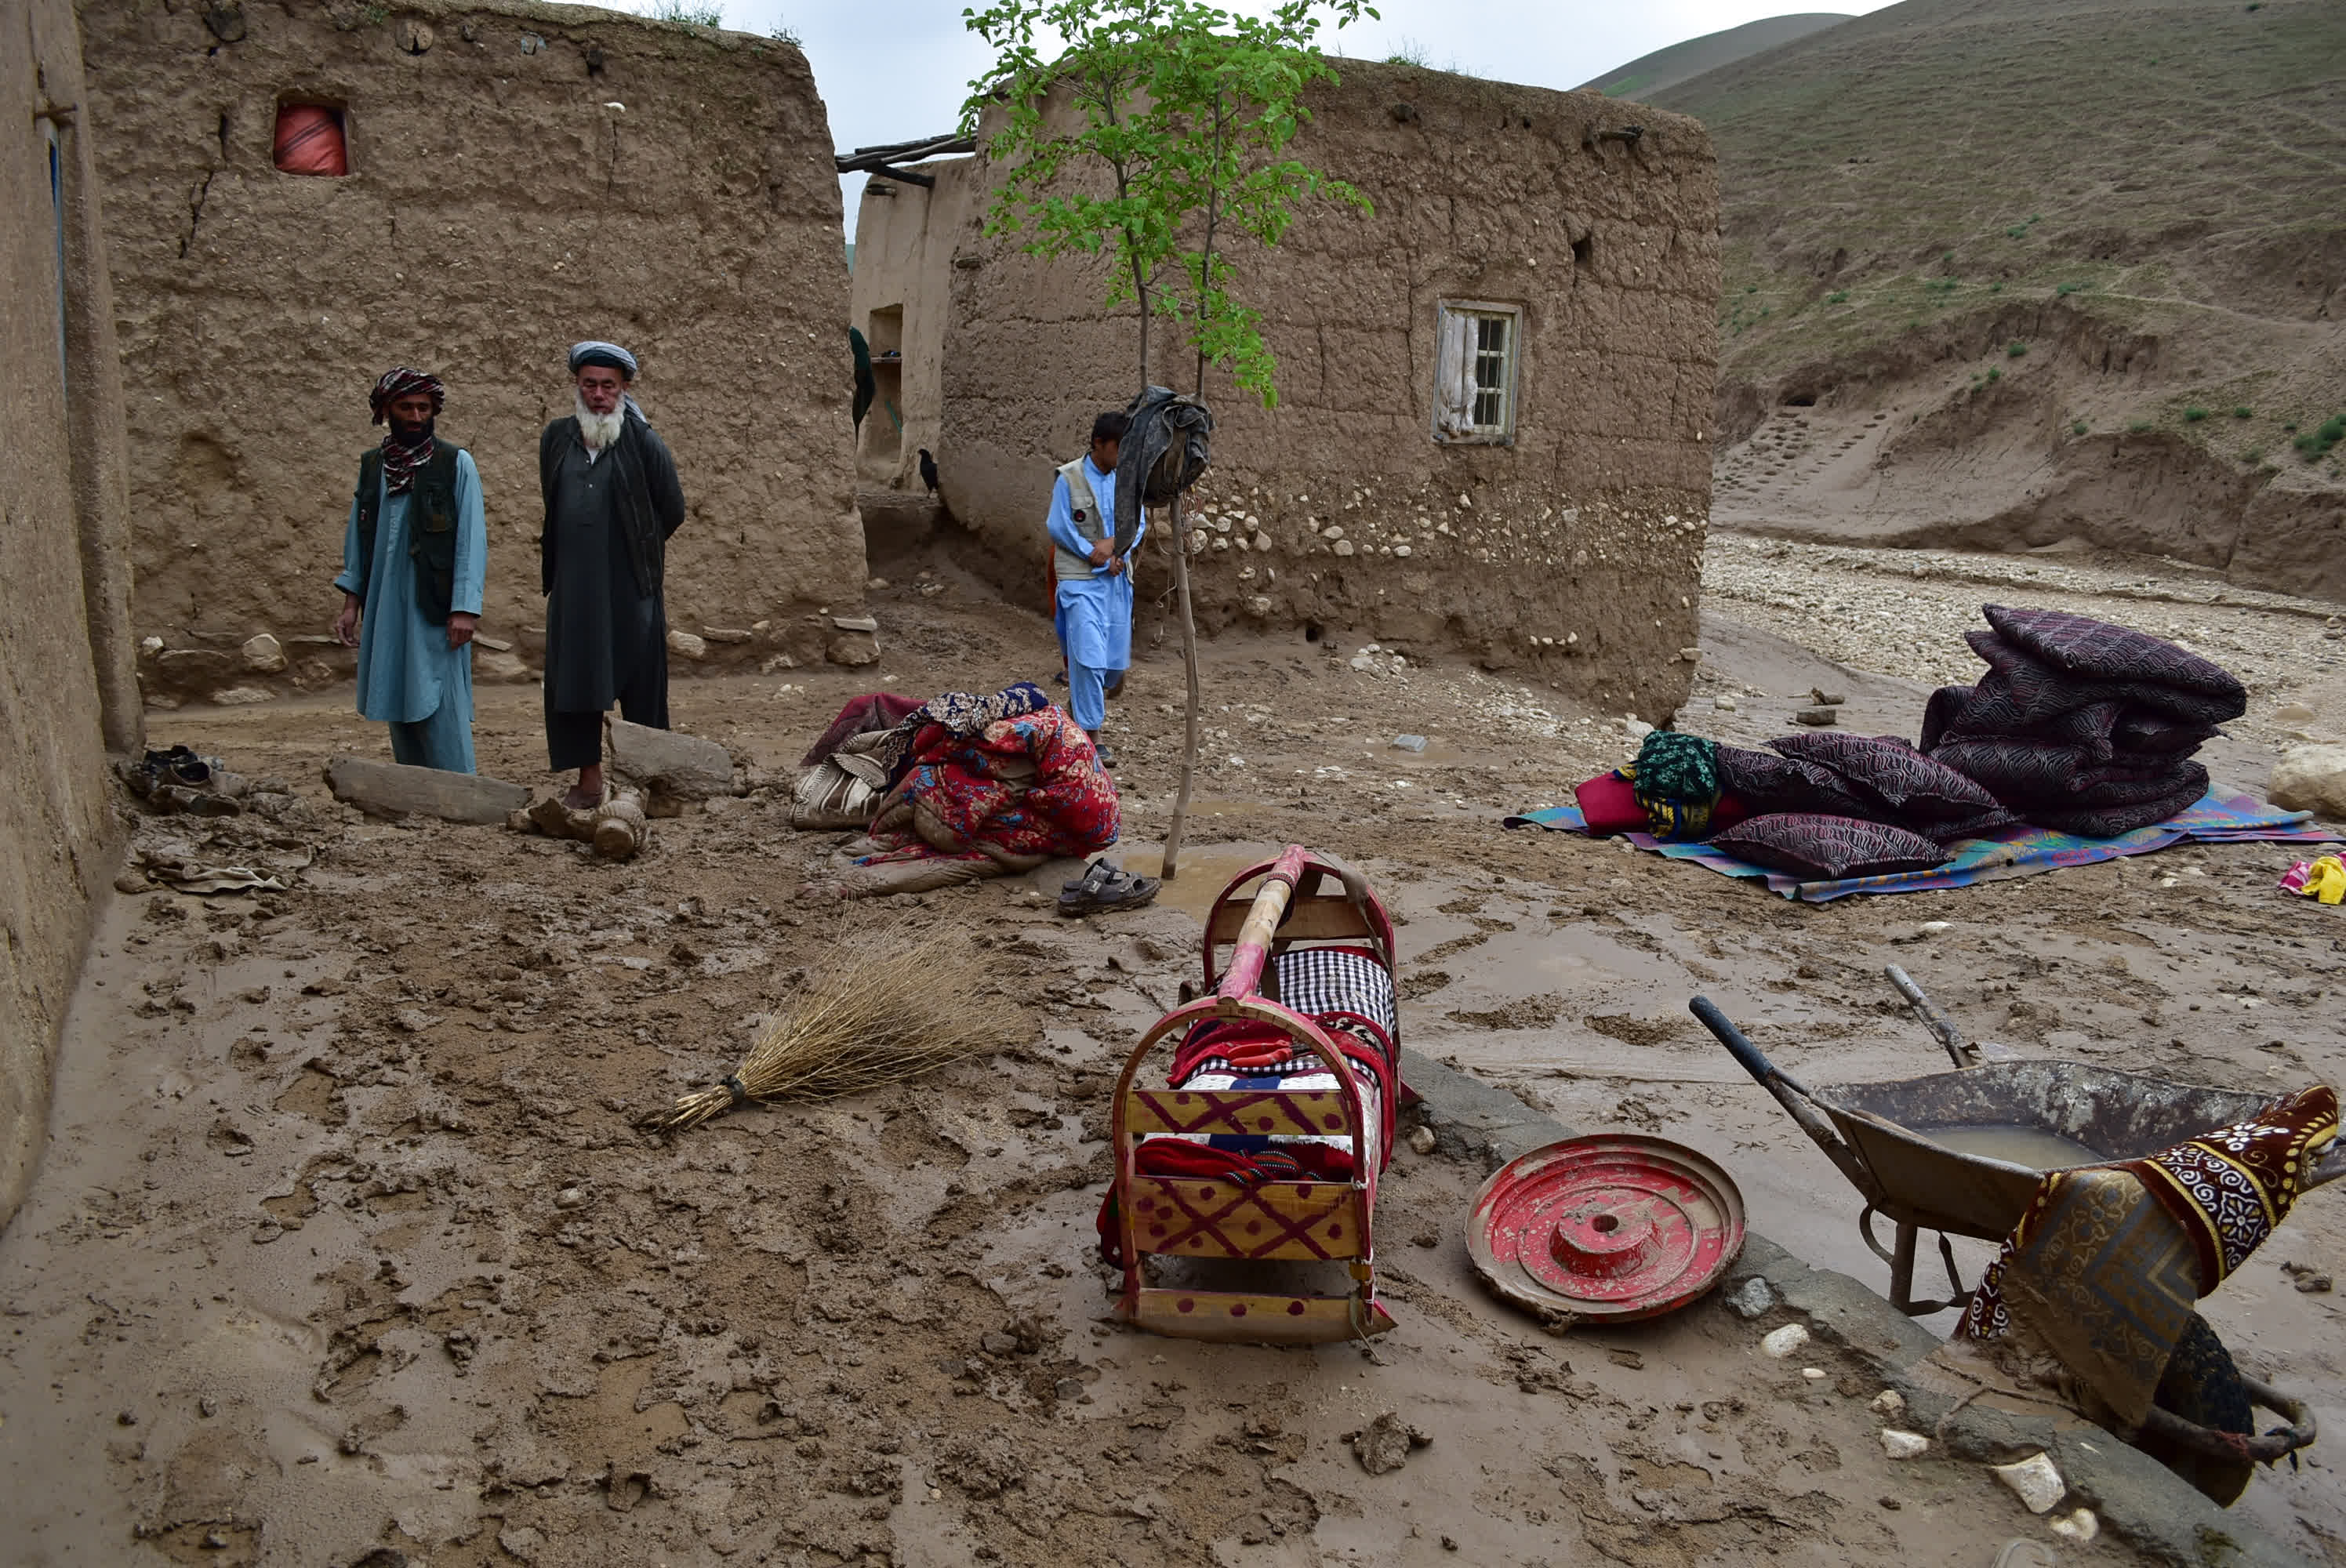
(2017, 272)
(1650, 74)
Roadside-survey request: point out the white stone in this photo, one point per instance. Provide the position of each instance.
(2310, 779)
(149, 646)
(2033, 1481)
(1890, 1404)
(1262, 542)
(1220, 544)
(1400, 549)
(1259, 605)
(1334, 531)
(242, 695)
(1813, 1374)
(264, 655)
(1242, 542)
(1343, 547)
(1636, 728)
(735, 634)
(2079, 1526)
(1904, 1445)
(1221, 524)
(1422, 1139)
(1724, 704)
(1198, 542)
(684, 645)
(1782, 1342)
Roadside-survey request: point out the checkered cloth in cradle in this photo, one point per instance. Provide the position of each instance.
(1313, 981)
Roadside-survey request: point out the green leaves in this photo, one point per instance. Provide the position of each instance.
(1152, 138)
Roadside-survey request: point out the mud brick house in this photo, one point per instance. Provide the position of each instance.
(66, 693)
(1494, 391)
(514, 178)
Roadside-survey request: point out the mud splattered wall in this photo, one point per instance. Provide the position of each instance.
(1569, 552)
(66, 690)
(520, 177)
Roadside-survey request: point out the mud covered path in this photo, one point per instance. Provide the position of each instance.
(345, 1243)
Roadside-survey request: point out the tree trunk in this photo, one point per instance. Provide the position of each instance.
(1180, 822)
(1173, 829)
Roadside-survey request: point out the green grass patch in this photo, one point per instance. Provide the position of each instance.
(2253, 456)
(690, 12)
(2013, 350)
(1995, 374)
(2139, 426)
(2066, 289)
(2315, 444)
(2244, 413)
(2194, 414)
(2077, 427)
(1838, 297)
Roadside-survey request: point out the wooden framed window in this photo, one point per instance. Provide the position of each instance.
(1476, 364)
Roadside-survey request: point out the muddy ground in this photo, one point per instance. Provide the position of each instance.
(346, 1250)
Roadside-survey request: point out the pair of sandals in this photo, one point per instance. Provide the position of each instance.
(1104, 889)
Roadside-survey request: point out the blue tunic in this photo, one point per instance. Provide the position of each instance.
(409, 677)
(1093, 614)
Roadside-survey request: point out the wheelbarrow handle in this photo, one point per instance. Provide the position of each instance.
(1754, 1060)
(1790, 1092)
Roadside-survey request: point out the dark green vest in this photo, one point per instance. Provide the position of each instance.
(431, 526)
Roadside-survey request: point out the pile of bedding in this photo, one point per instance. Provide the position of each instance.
(2081, 726)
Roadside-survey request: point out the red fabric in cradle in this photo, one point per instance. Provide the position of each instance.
(309, 140)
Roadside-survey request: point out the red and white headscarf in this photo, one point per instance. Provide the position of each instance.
(403, 458)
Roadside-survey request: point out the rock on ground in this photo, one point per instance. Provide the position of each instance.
(395, 789)
(2310, 779)
(685, 767)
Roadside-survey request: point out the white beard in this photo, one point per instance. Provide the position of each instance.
(598, 431)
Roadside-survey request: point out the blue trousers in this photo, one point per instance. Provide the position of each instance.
(443, 741)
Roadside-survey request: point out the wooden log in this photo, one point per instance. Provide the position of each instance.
(395, 789)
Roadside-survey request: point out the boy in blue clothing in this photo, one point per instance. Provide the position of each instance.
(1093, 608)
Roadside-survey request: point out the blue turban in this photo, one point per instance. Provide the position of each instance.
(601, 354)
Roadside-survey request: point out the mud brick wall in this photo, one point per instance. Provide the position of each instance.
(521, 177)
(65, 688)
(1571, 555)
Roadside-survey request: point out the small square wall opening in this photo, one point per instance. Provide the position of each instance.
(310, 140)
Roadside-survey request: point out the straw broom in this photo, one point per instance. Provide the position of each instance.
(881, 1007)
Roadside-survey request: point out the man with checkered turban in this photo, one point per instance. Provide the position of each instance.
(414, 563)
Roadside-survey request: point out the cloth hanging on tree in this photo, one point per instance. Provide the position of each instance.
(1162, 455)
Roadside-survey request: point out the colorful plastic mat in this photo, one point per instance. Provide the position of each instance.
(2013, 852)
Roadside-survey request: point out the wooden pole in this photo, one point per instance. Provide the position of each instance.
(1174, 828)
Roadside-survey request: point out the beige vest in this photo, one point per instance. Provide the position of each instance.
(1095, 522)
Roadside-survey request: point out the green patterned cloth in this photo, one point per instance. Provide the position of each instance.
(1676, 778)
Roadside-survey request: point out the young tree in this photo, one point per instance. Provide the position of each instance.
(1171, 141)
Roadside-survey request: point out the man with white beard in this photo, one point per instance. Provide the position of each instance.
(611, 501)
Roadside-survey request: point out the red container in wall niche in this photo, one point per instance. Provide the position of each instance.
(309, 140)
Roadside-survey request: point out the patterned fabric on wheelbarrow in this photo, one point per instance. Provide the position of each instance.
(2006, 852)
(2104, 1268)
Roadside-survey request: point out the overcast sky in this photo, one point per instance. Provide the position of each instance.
(892, 71)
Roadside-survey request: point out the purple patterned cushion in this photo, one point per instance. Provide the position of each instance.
(2021, 773)
(2020, 691)
(1911, 786)
(2107, 822)
(1826, 848)
(1766, 783)
(2101, 651)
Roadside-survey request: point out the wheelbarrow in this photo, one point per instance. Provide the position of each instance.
(1879, 1137)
